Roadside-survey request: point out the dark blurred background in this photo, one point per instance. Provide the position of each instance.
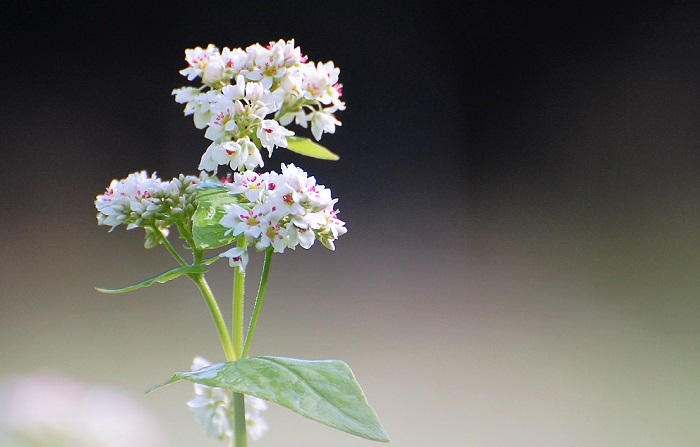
(519, 181)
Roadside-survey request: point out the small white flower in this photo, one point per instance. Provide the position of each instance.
(184, 95)
(271, 134)
(200, 108)
(240, 220)
(230, 153)
(332, 229)
(254, 159)
(213, 72)
(223, 120)
(298, 235)
(235, 91)
(269, 64)
(234, 60)
(207, 162)
(321, 82)
(291, 54)
(237, 257)
(273, 234)
(249, 183)
(254, 91)
(321, 122)
(297, 178)
(283, 198)
(198, 59)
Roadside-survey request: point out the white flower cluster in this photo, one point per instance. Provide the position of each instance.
(247, 97)
(280, 210)
(148, 202)
(212, 407)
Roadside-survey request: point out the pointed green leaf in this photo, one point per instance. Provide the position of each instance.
(211, 260)
(163, 277)
(305, 146)
(323, 390)
(206, 230)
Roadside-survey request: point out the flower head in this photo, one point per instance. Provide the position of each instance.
(140, 200)
(280, 211)
(253, 94)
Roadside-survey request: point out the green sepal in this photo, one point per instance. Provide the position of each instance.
(163, 277)
(322, 390)
(207, 232)
(305, 146)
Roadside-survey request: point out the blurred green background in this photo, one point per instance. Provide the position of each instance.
(520, 185)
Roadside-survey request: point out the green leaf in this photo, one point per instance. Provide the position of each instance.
(206, 230)
(163, 277)
(323, 390)
(211, 260)
(305, 146)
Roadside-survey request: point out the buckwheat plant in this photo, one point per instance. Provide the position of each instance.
(244, 101)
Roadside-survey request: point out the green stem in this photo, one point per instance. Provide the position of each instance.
(258, 302)
(170, 248)
(209, 298)
(239, 425)
(185, 234)
(215, 312)
(238, 305)
(232, 350)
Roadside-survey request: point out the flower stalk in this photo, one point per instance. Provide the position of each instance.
(238, 305)
(240, 434)
(258, 302)
(218, 318)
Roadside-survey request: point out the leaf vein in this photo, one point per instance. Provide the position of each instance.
(310, 386)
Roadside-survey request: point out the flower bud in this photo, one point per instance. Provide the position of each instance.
(213, 71)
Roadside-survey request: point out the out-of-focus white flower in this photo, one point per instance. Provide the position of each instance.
(51, 409)
(256, 425)
(213, 406)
